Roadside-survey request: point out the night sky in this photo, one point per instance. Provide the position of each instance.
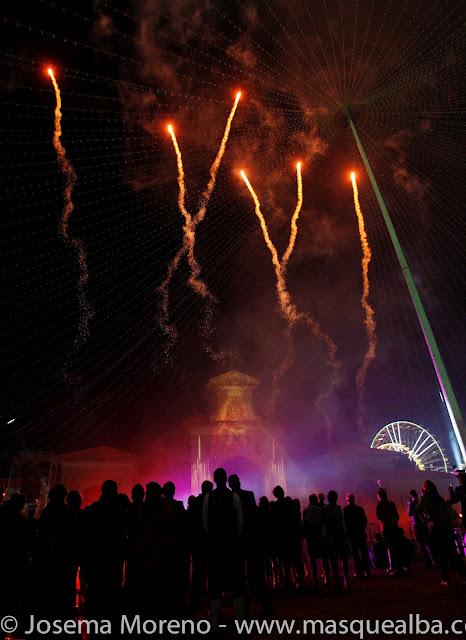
(127, 68)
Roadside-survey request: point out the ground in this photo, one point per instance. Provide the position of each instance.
(378, 597)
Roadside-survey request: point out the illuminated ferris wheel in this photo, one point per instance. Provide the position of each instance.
(413, 441)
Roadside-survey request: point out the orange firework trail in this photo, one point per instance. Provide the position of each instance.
(216, 163)
(288, 309)
(294, 219)
(369, 313)
(189, 234)
(70, 180)
(189, 227)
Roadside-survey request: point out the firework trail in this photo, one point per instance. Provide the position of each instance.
(189, 239)
(217, 162)
(78, 246)
(294, 219)
(289, 310)
(369, 313)
(181, 183)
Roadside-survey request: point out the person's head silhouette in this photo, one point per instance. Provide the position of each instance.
(278, 492)
(57, 494)
(109, 489)
(332, 497)
(382, 495)
(153, 492)
(73, 500)
(206, 487)
(234, 482)
(429, 488)
(137, 493)
(169, 490)
(220, 477)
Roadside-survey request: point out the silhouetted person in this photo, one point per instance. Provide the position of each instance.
(169, 491)
(406, 549)
(322, 503)
(73, 502)
(438, 516)
(283, 532)
(15, 545)
(137, 494)
(248, 504)
(182, 563)
(223, 523)
(136, 507)
(419, 527)
(54, 556)
(155, 555)
(265, 536)
(105, 522)
(198, 542)
(387, 514)
(297, 542)
(250, 542)
(314, 532)
(458, 494)
(336, 539)
(380, 552)
(133, 576)
(355, 526)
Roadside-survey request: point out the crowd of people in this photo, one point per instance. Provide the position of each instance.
(149, 554)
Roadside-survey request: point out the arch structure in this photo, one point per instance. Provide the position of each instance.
(413, 441)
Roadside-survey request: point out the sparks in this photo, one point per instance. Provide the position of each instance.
(189, 235)
(294, 219)
(288, 309)
(69, 173)
(181, 183)
(369, 313)
(194, 281)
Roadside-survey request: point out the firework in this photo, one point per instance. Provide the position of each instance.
(369, 313)
(189, 238)
(69, 174)
(289, 310)
(216, 163)
(181, 183)
(294, 219)
(197, 284)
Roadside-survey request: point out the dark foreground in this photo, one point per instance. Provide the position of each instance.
(379, 597)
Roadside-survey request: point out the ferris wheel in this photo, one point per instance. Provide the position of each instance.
(413, 441)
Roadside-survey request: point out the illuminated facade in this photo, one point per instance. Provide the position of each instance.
(234, 437)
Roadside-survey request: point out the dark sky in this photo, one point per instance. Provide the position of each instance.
(125, 69)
